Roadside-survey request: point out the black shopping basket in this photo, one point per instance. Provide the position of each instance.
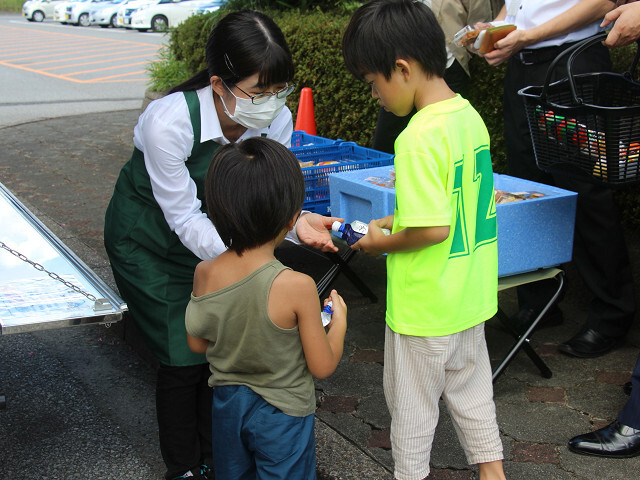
(587, 125)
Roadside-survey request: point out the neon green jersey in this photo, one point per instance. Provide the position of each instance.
(444, 177)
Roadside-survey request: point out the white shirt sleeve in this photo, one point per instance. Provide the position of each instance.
(165, 135)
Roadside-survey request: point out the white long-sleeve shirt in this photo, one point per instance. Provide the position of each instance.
(165, 136)
(526, 14)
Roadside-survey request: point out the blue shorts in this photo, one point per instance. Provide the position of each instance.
(252, 439)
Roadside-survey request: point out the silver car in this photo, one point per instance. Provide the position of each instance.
(107, 15)
(38, 10)
(78, 12)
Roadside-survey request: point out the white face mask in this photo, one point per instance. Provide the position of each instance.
(250, 115)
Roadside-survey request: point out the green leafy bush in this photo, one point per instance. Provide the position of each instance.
(11, 5)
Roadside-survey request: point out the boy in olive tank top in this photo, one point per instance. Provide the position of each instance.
(258, 321)
(442, 264)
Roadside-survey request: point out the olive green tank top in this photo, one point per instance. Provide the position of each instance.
(247, 348)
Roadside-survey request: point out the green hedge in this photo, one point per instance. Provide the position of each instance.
(11, 5)
(343, 106)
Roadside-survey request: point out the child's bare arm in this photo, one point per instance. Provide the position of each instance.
(412, 238)
(322, 350)
(197, 345)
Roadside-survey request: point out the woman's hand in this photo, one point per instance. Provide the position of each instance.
(315, 230)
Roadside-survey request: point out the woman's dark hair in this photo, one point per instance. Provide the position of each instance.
(382, 31)
(240, 45)
(253, 189)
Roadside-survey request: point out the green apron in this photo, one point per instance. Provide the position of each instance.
(151, 266)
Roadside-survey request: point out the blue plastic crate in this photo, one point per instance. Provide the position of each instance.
(348, 156)
(303, 139)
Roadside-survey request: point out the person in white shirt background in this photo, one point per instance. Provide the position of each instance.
(621, 438)
(156, 230)
(544, 29)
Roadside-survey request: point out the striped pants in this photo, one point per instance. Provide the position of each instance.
(420, 370)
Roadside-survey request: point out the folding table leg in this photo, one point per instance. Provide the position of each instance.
(524, 339)
(526, 346)
(340, 265)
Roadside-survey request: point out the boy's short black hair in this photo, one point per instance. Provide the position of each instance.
(253, 189)
(382, 31)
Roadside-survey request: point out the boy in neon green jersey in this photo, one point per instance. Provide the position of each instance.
(442, 266)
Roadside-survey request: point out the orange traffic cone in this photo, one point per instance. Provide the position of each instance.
(306, 120)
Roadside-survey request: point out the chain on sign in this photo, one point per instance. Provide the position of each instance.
(40, 268)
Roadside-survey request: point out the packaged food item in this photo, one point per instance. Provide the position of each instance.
(508, 197)
(482, 36)
(382, 181)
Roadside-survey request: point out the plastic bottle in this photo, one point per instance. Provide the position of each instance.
(326, 313)
(354, 231)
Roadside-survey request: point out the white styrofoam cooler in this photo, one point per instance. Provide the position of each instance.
(532, 234)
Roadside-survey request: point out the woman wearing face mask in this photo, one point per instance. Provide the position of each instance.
(155, 228)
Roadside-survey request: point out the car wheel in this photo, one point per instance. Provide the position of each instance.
(159, 23)
(114, 20)
(84, 20)
(37, 16)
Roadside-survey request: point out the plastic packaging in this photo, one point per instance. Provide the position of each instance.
(482, 37)
(354, 231)
(326, 313)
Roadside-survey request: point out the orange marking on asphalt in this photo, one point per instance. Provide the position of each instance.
(96, 80)
(105, 68)
(103, 60)
(57, 47)
(102, 55)
(67, 50)
(26, 30)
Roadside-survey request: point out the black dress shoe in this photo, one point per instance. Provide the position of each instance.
(588, 343)
(613, 441)
(526, 316)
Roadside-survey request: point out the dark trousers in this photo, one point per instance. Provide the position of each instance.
(389, 126)
(630, 414)
(599, 251)
(183, 406)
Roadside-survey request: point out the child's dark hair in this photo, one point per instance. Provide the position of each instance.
(241, 44)
(382, 31)
(253, 189)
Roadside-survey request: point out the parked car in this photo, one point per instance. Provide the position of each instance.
(209, 7)
(107, 15)
(162, 14)
(60, 10)
(77, 12)
(125, 11)
(38, 10)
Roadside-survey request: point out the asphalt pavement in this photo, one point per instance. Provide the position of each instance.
(80, 400)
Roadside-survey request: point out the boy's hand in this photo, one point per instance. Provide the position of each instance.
(371, 243)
